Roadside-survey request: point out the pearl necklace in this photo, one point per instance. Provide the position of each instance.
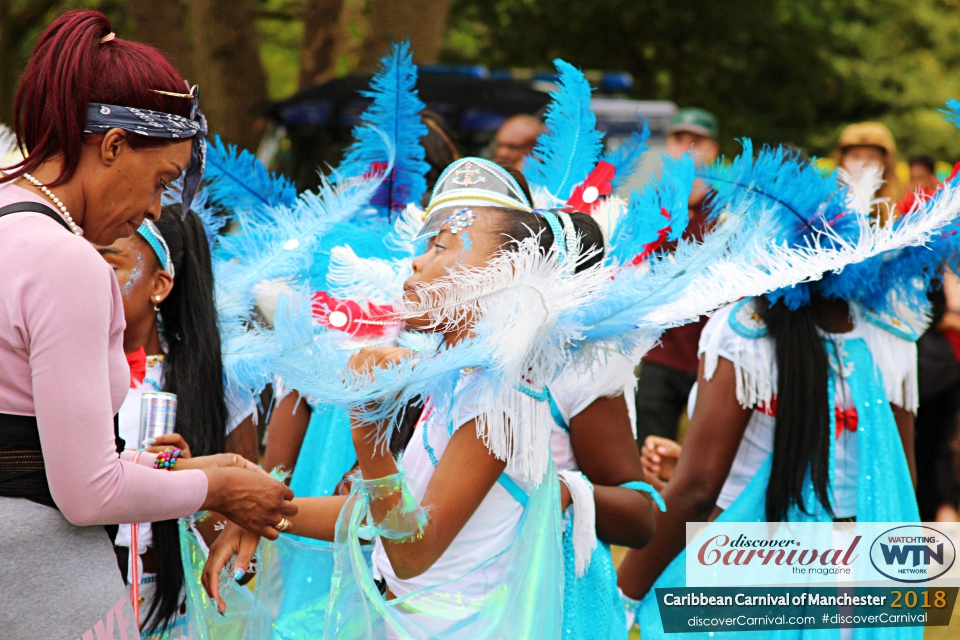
(66, 214)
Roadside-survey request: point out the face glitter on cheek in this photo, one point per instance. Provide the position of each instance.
(135, 274)
(467, 242)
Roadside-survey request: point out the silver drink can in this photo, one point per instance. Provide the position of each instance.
(158, 415)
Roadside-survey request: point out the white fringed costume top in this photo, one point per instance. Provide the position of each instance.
(736, 333)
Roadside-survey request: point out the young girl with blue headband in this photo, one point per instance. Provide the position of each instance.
(173, 344)
(467, 541)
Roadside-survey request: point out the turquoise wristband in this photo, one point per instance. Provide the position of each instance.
(636, 485)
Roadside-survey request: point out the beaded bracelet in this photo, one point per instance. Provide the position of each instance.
(167, 458)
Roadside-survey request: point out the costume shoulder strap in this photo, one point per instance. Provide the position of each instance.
(891, 324)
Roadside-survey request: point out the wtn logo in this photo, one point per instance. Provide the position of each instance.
(912, 553)
(898, 554)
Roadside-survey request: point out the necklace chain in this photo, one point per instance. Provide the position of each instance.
(66, 214)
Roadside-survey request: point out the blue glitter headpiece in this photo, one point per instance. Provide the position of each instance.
(149, 232)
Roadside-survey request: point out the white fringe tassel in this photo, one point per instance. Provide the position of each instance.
(584, 520)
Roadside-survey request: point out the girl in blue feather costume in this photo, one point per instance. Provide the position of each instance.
(466, 522)
(833, 439)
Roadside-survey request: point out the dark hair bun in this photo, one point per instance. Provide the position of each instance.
(516, 226)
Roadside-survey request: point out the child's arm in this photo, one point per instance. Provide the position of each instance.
(602, 440)
(465, 474)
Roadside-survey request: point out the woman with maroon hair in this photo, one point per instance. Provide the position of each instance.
(105, 125)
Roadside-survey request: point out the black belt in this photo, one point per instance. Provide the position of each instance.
(22, 471)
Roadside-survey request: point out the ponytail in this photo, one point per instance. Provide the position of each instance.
(801, 437)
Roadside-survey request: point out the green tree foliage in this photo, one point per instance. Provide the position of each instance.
(790, 71)
(22, 22)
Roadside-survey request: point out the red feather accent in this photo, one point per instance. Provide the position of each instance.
(650, 247)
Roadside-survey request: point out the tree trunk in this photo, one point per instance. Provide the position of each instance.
(227, 62)
(16, 25)
(8, 48)
(321, 38)
(164, 24)
(421, 21)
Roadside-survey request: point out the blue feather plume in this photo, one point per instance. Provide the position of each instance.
(568, 150)
(394, 113)
(794, 192)
(626, 157)
(791, 198)
(952, 112)
(644, 221)
(239, 183)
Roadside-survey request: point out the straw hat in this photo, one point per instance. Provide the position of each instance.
(868, 134)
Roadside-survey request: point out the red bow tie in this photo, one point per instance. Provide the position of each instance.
(138, 366)
(847, 419)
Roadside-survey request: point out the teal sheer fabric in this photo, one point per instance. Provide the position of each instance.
(293, 589)
(204, 621)
(525, 603)
(884, 494)
(293, 581)
(326, 453)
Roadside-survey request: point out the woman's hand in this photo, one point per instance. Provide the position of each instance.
(168, 441)
(232, 541)
(218, 461)
(251, 499)
(659, 457)
(370, 358)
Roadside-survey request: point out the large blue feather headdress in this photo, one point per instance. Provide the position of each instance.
(294, 239)
(798, 206)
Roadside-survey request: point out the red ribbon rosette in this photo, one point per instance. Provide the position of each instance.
(586, 196)
(352, 317)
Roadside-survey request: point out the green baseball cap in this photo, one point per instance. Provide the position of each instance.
(694, 120)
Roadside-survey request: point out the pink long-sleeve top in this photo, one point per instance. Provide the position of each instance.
(61, 360)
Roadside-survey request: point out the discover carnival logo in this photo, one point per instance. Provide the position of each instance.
(912, 553)
(757, 553)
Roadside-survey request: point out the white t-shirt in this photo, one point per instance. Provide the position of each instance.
(573, 392)
(736, 333)
(129, 418)
(491, 529)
